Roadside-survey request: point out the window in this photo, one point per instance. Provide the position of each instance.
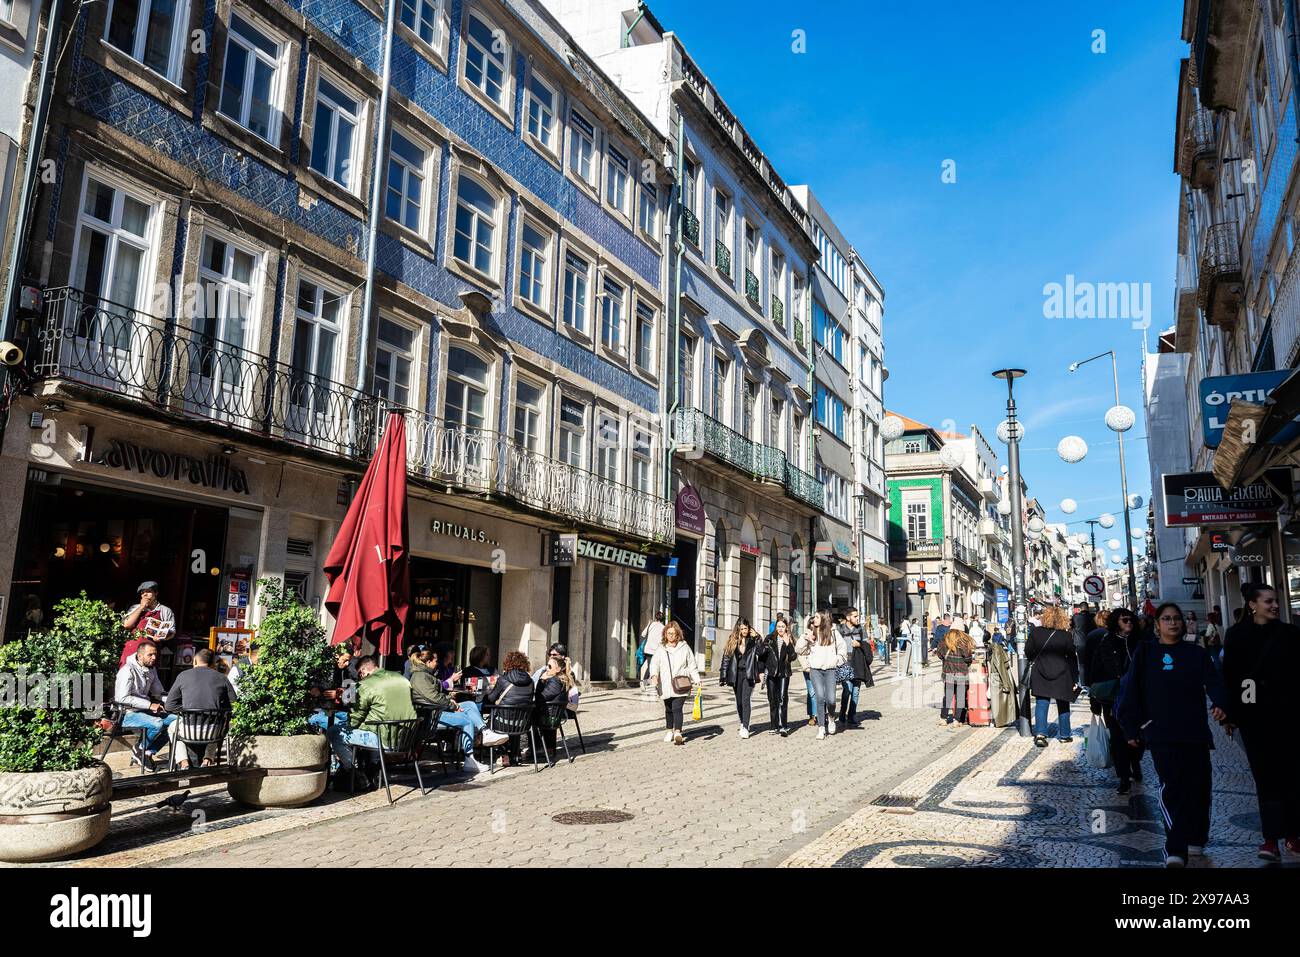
(424, 18)
(690, 184)
(151, 31)
(485, 59)
(775, 415)
(407, 162)
(829, 333)
(778, 288)
(573, 431)
(228, 276)
(918, 521)
(611, 315)
(540, 102)
(476, 210)
(533, 258)
(394, 359)
(528, 415)
(796, 297)
(317, 330)
(608, 447)
(338, 116)
(912, 446)
(721, 375)
(645, 337)
(576, 283)
(7, 11)
(686, 371)
(751, 248)
(582, 147)
(796, 450)
(618, 178)
(642, 470)
(830, 411)
(465, 403)
(250, 83)
(722, 231)
(749, 402)
(113, 246)
(648, 218)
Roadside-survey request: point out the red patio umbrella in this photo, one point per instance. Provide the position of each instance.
(369, 585)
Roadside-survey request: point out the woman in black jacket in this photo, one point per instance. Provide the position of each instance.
(1054, 674)
(740, 659)
(1261, 656)
(778, 659)
(1108, 661)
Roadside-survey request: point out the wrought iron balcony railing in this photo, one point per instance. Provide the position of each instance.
(722, 257)
(804, 487)
(916, 548)
(751, 288)
(691, 227)
(1198, 155)
(1221, 289)
(778, 312)
(178, 370)
(692, 427)
(798, 334)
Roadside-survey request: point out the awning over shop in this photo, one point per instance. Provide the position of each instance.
(1247, 449)
(834, 541)
(887, 572)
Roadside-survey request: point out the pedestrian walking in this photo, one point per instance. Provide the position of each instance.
(1162, 703)
(880, 633)
(651, 639)
(1108, 657)
(826, 652)
(778, 664)
(1054, 674)
(976, 632)
(857, 672)
(740, 658)
(810, 697)
(675, 671)
(903, 643)
(1261, 656)
(956, 652)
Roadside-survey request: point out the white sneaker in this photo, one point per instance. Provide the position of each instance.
(492, 739)
(1195, 850)
(1173, 860)
(821, 733)
(830, 722)
(668, 737)
(471, 765)
(744, 732)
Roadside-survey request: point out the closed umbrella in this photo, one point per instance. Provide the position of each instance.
(369, 586)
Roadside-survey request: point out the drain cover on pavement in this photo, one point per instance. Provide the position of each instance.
(591, 817)
(895, 800)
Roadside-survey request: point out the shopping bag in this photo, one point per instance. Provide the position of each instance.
(1098, 746)
(697, 712)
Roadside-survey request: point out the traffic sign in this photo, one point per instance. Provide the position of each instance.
(1094, 586)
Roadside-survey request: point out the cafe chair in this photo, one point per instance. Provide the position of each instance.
(399, 744)
(551, 716)
(571, 714)
(444, 740)
(201, 729)
(515, 722)
(111, 723)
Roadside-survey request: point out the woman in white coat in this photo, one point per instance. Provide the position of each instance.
(676, 672)
(825, 651)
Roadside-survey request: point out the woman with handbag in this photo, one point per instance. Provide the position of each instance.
(957, 651)
(676, 672)
(826, 652)
(740, 662)
(1054, 672)
(778, 664)
(810, 693)
(1108, 660)
(1162, 702)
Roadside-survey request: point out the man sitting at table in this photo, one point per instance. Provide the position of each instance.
(381, 696)
(426, 692)
(138, 689)
(201, 688)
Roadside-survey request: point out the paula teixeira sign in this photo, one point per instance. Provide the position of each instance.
(1195, 498)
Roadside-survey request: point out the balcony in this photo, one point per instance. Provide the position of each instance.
(778, 312)
(177, 371)
(989, 530)
(1198, 158)
(1220, 289)
(989, 489)
(964, 553)
(691, 227)
(1185, 303)
(722, 257)
(751, 289)
(915, 548)
(703, 434)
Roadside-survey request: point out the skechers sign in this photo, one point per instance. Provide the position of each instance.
(1218, 392)
(562, 554)
(1195, 498)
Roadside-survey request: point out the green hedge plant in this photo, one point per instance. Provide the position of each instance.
(83, 643)
(293, 657)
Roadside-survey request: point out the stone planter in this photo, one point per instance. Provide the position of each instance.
(296, 769)
(46, 815)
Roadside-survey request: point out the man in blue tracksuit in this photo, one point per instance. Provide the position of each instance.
(1162, 703)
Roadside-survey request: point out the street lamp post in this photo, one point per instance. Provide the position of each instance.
(1123, 473)
(1017, 533)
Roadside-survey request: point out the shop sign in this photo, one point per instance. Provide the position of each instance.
(567, 549)
(214, 472)
(1195, 498)
(564, 549)
(465, 532)
(1217, 393)
(689, 510)
(753, 551)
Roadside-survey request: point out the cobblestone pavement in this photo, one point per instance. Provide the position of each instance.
(996, 800)
(719, 800)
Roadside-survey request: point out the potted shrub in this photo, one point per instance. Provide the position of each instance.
(268, 726)
(54, 794)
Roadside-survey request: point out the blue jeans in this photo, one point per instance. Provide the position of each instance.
(346, 739)
(849, 700)
(812, 694)
(1062, 717)
(883, 648)
(470, 722)
(155, 727)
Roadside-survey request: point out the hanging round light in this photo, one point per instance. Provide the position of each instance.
(1106, 520)
(1120, 418)
(1081, 538)
(1004, 470)
(1138, 535)
(1117, 559)
(891, 427)
(1113, 544)
(951, 456)
(1135, 501)
(1036, 524)
(1004, 431)
(1072, 449)
(1069, 506)
(1004, 506)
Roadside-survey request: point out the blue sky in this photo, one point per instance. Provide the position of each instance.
(1064, 166)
